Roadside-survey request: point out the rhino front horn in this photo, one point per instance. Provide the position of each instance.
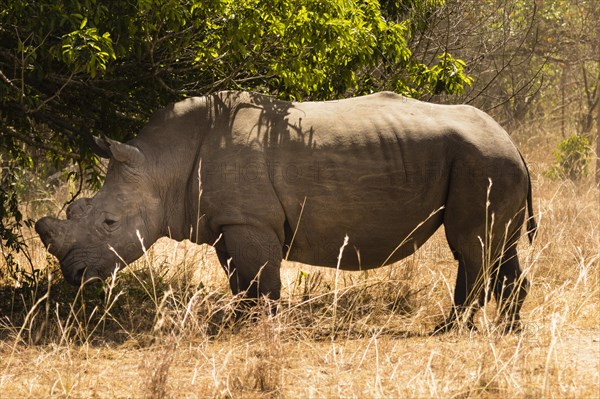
(52, 232)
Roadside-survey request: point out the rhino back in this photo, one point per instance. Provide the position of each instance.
(361, 168)
(377, 169)
(374, 168)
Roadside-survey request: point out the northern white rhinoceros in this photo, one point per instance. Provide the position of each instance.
(276, 179)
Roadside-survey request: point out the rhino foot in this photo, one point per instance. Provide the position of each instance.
(510, 327)
(453, 324)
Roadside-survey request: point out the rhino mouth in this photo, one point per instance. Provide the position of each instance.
(76, 269)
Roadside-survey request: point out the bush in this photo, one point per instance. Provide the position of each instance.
(572, 156)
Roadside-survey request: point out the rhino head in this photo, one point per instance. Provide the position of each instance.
(104, 233)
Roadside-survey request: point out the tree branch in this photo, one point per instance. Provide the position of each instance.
(10, 131)
(52, 97)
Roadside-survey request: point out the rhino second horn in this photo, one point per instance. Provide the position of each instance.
(125, 153)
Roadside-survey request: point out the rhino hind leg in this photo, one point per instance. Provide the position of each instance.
(481, 274)
(505, 280)
(510, 287)
(469, 293)
(251, 257)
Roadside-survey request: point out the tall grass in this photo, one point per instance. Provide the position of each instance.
(166, 327)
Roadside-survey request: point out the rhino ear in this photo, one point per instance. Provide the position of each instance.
(100, 147)
(125, 153)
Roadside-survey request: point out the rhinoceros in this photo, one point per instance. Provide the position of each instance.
(264, 180)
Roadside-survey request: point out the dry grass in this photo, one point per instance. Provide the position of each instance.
(164, 327)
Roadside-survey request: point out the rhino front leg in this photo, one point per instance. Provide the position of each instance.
(227, 264)
(251, 256)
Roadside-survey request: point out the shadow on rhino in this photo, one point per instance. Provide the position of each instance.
(265, 180)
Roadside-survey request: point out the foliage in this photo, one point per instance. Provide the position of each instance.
(85, 50)
(73, 68)
(573, 156)
(446, 76)
(11, 216)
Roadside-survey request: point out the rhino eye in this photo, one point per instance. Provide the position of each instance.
(110, 224)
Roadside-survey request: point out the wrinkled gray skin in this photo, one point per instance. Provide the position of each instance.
(236, 168)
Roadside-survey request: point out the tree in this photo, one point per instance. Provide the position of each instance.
(535, 65)
(73, 68)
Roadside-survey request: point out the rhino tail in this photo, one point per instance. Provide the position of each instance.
(531, 223)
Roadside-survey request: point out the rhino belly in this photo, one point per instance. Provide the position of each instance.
(385, 216)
